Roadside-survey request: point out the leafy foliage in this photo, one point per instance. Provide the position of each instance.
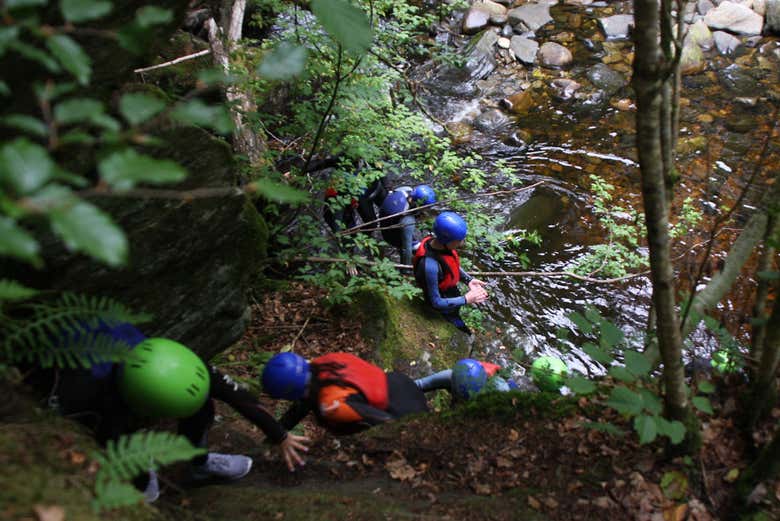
(133, 455)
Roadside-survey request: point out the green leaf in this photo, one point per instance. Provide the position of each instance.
(26, 123)
(16, 242)
(153, 15)
(36, 55)
(284, 62)
(593, 315)
(598, 354)
(10, 290)
(625, 401)
(196, 112)
(76, 110)
(703, 404)
(344, 22)
(580, 385)
(84, 10)
(137, 108)
(133, 37)
(78, 137)
(675, 430)
(706, 387)
(621, 373)
(4, 90)
(86, 228)
(107, 122)
(604, 427)
(611, 334)
(16, 4)
(25, 165)
(582, 323)
(651, 402)
(71, 56)
(7, 35)
(646, 427)
(123, 170)
(675, 485)
(279, 192)
(636, 363)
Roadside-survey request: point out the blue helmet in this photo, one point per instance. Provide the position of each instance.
(423, 194)
(394, 203)
(285, 376)
(468, 378)
(449, 227)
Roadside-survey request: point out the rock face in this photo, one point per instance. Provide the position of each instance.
(772, 24)
(735, 18)
(190, 262)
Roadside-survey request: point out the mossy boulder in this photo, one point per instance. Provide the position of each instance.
(408, 335)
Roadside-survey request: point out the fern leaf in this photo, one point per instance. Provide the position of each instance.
(10, 290)
(114, 494)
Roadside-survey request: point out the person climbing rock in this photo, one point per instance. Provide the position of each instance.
(341, 218)
(437, 270)
(345, 393)
(401, 231)
(466, 379)
(161, 378)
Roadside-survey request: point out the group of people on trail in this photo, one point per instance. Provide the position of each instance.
(161, 378)
(434, 259)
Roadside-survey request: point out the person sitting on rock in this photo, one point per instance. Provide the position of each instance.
(162, 378)
(437, 270)
(345, 393)
(401, 231)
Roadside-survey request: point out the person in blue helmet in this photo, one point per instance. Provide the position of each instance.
(466, 379)
(437, 270)
(160, 379)
(345, 393)
(399, 229)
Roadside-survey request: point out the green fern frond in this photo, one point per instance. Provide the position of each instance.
(115, 494)
(11, 291)
(138, 453)
(62, 332)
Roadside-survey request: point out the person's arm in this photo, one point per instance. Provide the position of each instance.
(295, 413)
(432, 286)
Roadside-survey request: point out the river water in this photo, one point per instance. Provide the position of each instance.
(726, 109)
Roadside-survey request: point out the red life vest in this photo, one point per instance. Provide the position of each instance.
(449, 262)
(490, 368)
(347, 369)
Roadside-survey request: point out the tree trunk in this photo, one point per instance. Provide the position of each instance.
(766, 467)
(762, 292)
(763, 395)
(245, 139)
(648, 85)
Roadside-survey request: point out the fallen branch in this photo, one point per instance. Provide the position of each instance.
(173, 62)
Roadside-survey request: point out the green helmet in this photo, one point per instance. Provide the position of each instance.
(163, 379)
(548, 373)
(724, 361)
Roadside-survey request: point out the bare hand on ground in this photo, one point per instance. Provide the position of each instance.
(290, 447)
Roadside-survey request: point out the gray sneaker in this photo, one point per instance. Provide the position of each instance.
(223, 466)
(152, 490)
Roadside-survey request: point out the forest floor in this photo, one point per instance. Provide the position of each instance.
(510, 456)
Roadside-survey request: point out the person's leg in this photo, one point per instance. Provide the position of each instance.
(404, 395)
(435, 381)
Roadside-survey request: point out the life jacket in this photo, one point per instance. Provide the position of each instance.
(331, 192)
(449, 265)
(490, 369)
(347, 369)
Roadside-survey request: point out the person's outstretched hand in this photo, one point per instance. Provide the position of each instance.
(476, 294)
(476, 283)
(290, 447)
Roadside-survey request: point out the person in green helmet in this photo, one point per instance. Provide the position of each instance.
(162, 378)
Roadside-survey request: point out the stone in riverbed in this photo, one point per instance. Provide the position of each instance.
(617, 26)
(554, 55)
(524, 49)
(532, 16)
(735, 18)
(726, 43)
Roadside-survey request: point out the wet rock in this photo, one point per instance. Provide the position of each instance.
(772, 24)
(726, 43)
(504, 43)
(498, 19)
(554, 55)
(494, 8)
(490, 121)
(739, 81)
(481, 61)
(532, 16)
(617, 26)
(524, 49)
(578, 2)
(564, 37)
(475, 20)
(701, 34)
(460, 132)
(604, 78)
(759, 6)
(507, 31)
(692, 59)
(624, 105)
(504, 2)
(735, 18)
(741, 124)
(564, 88)
(517, 139)
(519, 103)
(704, 6)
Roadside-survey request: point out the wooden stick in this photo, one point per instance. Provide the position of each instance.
(180, 59)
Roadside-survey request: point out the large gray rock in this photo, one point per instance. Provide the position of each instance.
(617, 26)
(726, 43)
(604, 78)
(772, 24)
(190, 261)
(524, 49)
(701, 35)
(532, 16)
(475, 20)
(554, 55)
(490, 121)
(734, 18)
